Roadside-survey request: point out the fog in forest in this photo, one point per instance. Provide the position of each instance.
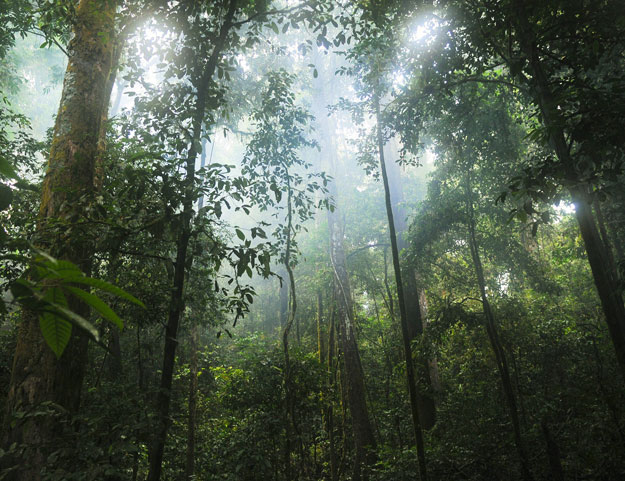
(318, 240)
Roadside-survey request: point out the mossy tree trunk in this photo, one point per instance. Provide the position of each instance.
(68, 188)
(330, 397)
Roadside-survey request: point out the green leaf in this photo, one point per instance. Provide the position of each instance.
(98, 304)
(240, 234)
(21, 289)
(56, 269)
(56, 330)
(79, 321)
(104, 286)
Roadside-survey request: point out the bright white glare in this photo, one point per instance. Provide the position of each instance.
(564, 208)
(155, 37)
(399, 79)
(429, 157)
(242, 61)
(419, 33)
(423, 31)
(503, 280)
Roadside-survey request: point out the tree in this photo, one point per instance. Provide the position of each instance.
(37, 375)
(544, 51)
(272, 156)
(353, 377)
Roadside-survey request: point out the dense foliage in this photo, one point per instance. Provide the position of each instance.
(198, 282)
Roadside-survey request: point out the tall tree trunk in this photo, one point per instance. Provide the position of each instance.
(37, 375)
(603, 230)
(284, 300)
(410, 375)
(176, 305)
(493, 335)
(412, 294)
(353, 385)
(189, 471)
(364, 441)
(352, 382)
(320, 336)
(330, 397)
(603, 271)
(288, 385)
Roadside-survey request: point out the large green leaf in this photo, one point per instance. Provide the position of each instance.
(103, 285)
(98, 304)
(55, 329)
(79, 321)
(56, 319)
(48, 267)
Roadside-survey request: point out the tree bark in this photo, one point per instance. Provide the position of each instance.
(37, 375)
(410, 375)
(176, 307)
(288, 385)
(364, 441)
(284, 300)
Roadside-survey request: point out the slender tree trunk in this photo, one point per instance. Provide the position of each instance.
(410, 375)
(115, 367)
(177, 297)
(288, 387)
(189, 471)
(37, 375)
(364, 441)
(427, 408)
(603, 271)
(387, 287)
(284, 300)
(320, 336)
(553, 453)
(493, 336)
(330, 397)
(114, 360)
